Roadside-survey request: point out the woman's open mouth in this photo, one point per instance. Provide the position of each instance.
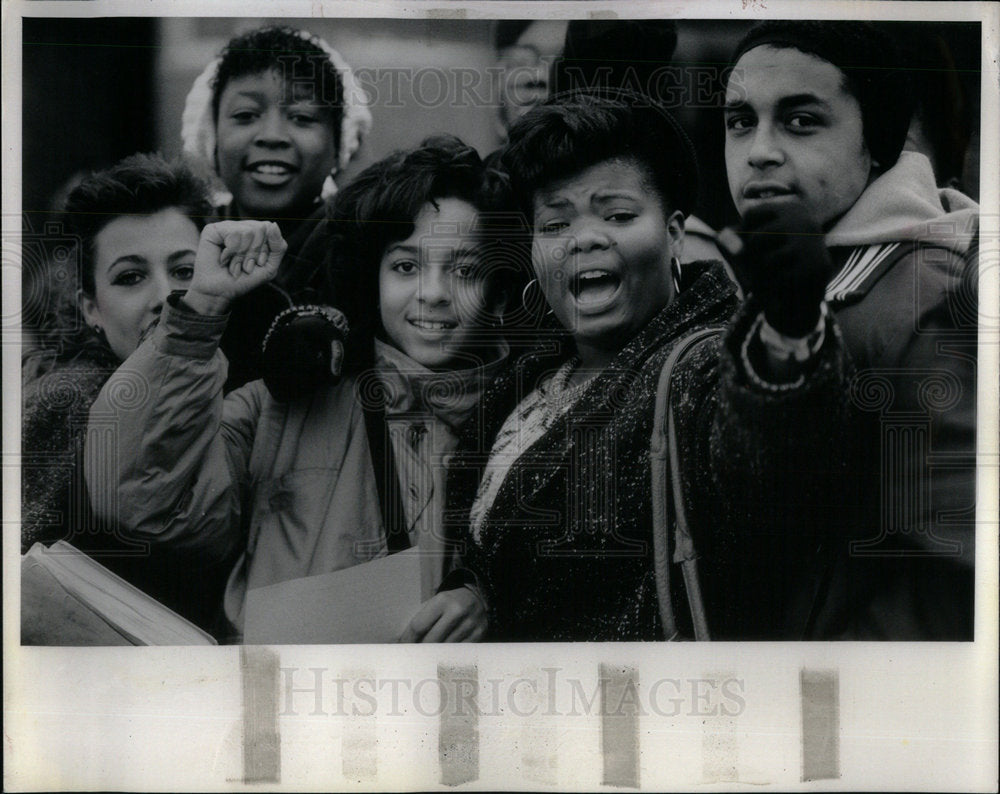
(594, 287)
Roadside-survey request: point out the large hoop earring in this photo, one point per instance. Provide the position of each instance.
(524, 296)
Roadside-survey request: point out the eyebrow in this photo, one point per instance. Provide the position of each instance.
(128, 259)
(136, 259)
(249, 93)
(401, 248)
(554, 201)
(795, 100)
(790, 101)
(610, 195)
(467, 249)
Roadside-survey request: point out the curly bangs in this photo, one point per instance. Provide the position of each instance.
(142, 184)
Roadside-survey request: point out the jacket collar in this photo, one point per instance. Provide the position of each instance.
(900, 209)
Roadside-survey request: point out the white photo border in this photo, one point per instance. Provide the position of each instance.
(911, 715)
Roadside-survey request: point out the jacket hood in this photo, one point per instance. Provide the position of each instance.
(905, 204)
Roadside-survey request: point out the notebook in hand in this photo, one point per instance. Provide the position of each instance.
(67, 598)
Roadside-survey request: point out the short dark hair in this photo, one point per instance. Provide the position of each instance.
(508, 31)
(294, 57)
(380, 205)
(573, 131)
(620, 53)
(141, 184)
(138, 185)
(874, 72)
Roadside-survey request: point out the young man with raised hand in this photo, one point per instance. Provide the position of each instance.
(816, 118)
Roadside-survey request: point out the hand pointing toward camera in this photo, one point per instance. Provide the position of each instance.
(780, 257)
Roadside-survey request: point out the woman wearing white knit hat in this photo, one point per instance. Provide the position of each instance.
(276, 116)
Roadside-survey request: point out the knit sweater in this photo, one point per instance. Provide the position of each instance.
(53, 422)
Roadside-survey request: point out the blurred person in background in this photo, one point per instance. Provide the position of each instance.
(525, 50)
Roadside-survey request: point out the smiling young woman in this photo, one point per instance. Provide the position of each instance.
(275, 151)
(138, 224)
(276, 116)
(362, 461)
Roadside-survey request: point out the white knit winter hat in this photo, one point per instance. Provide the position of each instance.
(198, 127)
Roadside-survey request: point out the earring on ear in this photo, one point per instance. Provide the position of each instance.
(675, 273)
(99, 333)
(524, 296)
(330, 188)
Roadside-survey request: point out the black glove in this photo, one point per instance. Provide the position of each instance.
(784, 264)
(303, 351)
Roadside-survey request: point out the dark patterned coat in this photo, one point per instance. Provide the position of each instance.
(565, 551)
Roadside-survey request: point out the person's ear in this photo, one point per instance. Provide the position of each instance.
(675, 229)
(88, 308)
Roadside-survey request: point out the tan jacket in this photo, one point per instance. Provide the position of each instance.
(290, 487)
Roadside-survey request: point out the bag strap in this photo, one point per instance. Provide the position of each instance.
(664, 461)
(386, 480)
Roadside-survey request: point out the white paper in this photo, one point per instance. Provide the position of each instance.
(371, 602)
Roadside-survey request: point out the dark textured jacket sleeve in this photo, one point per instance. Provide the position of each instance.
(913, 337)
(761, 470)
(167, 457)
